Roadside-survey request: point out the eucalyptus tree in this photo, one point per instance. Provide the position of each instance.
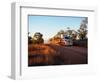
(38, 38)
(83, 29)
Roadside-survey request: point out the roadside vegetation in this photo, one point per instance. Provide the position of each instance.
(40, 54)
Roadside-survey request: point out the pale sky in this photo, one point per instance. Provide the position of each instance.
(50, 25)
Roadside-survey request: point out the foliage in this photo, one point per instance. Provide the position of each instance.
(29, 39)
(37, 38)
(83, 29)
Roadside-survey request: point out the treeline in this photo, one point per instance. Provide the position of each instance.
(36, 39)
(79, 34)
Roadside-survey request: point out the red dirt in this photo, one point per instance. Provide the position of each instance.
(72, 55)
(50, 54)
(41, 54)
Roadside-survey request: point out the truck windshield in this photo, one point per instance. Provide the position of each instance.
(66, 37)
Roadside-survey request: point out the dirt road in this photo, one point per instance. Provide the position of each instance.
(72, 54)
(48, 54)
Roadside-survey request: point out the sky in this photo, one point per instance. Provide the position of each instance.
(50, 25)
